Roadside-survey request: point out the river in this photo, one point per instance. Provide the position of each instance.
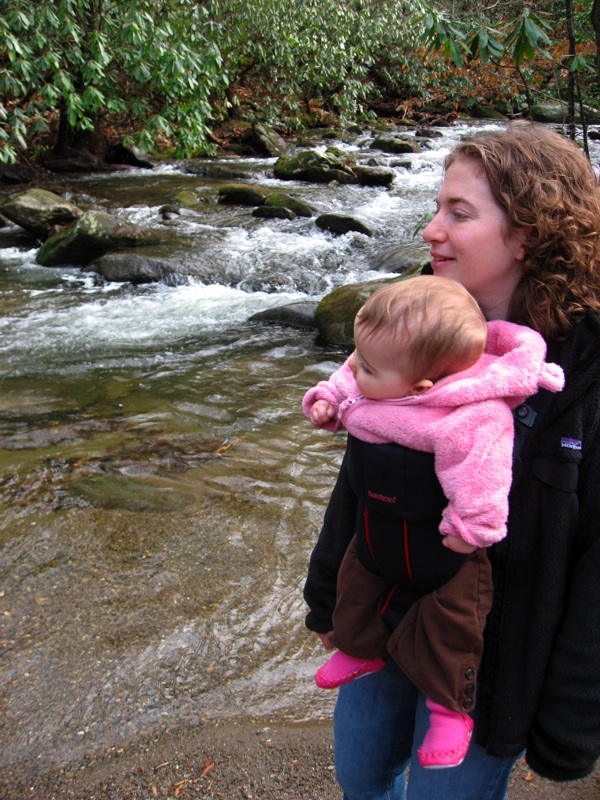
(160, 490)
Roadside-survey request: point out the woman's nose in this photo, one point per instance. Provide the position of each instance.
(433, 231)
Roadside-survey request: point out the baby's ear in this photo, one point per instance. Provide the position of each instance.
(421, 386)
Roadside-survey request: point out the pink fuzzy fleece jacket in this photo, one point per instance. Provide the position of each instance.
(465, 419)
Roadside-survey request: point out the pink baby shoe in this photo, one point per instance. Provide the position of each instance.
(341, 669)
(447, 740)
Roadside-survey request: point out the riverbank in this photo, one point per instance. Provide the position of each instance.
(247, 760)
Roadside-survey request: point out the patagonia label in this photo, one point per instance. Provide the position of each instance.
(570, 444)
(381, 497)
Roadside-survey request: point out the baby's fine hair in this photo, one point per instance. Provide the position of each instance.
(431, 324)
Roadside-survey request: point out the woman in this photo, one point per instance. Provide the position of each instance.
(518, 224)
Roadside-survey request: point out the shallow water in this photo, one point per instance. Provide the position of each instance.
(160, 491)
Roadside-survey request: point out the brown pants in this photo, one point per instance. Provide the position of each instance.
(439, 642)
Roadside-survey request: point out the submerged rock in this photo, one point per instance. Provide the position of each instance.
(120, 491)
(134, 268)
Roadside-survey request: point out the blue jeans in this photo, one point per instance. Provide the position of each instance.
(375, 721)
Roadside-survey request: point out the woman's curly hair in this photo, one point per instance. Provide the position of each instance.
(549, 191)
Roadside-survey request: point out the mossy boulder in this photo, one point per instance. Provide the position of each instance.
(282, 200)
(334, 316)
(266, 141)
(92, 235)
(316, 167)
(340, 224)
(273, 212)
(294, 315)
(396, 144)
(374, 176)
(39, 211)
(243, 194)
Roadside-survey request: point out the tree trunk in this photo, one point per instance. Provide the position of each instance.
(571, 76)
(595, 18)
(87, 145)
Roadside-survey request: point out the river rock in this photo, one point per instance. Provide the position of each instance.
(334, 315)
(243, 194)
(404, 257)
(282, 200)
(374, 176)
(219, 171)
(557, 111)
(134, 268)
(92, 235)
(266, 141)
(396, 144)
(38, 211)
(310, 165)
(341, 223)
(273, 212)
(295, 315)
(187, 198)
(172, 211)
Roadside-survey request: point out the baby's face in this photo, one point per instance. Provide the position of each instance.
(378, 373)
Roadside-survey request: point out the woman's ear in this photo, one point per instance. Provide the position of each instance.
(518, 240)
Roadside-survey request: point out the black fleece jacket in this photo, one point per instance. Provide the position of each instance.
(540, 677)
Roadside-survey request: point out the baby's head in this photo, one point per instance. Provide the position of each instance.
(414, 332)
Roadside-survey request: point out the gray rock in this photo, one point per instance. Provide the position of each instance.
(282, 200)
(295, 315)
(266, 141)
(309, 165)
(92, 235)
(220, 171)
(243, 194)
(556, 111)
(374, 176)
(396, 144)
(273, 212)
(134, 268)
(38, 211)
(341, 223)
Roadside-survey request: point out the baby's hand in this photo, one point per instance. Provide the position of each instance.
(458, 545)
(325, 641)
(321, 412)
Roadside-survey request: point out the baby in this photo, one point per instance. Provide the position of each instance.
(428, 375)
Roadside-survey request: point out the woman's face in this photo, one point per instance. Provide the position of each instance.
(471, 241)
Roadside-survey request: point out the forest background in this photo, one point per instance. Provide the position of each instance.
(176, 77)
